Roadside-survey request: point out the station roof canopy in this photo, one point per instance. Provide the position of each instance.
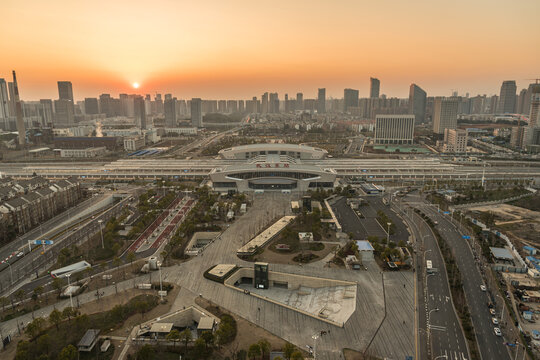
(161, 328)
(501, 253)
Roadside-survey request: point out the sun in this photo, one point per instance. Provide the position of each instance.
(136, 85)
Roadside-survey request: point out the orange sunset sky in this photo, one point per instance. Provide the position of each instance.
(239, 49)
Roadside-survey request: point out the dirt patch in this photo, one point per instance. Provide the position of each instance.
(287, 257)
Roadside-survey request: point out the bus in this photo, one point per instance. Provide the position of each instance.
(429, 267)
(70, 269)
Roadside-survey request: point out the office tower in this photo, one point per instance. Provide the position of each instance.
(91, 106)
(196, 112)
(374, 88)
(287, 104)
(321, 101)
(455, 141)
(507, 98)
(18, 111)
(417, 103)
(222, 106)
(350, 99)
(168, 96)
(4, 100)
(139, 110)
(169, 108)
(64, 116)
(299, 101)
(394, 129)
(445, 111)
(241, 106)
(65, 90)
(159, 104)
(264, 103)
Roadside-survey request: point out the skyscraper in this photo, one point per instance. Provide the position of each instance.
(417, 103)
(507, 98)
(534, 112)
(374, 88)
(350, 99)
(64, 116)
(4, 100)
(91, 106)
(106, 105)
(169, 108)
(140, 112)
(65, 90)
(321, 101)
(18, 111)
(196, 112)
(273, 103)
(299, 101)
(264, 103)
(445, 111)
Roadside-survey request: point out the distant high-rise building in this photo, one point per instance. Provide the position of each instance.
(350, 99)
(534, 109)
(21, 129)
(64, 116)
(321, 101)
(106, 105)
(507, 98)
(65, 90)
(273, 103)
(445, 111)
(374, 88)
(169, 108)
(48, 111)
(140, 112)
(520, 109)
(264, 103)
(222, 106)
(232, 106)
(241, 106)
(168, 96)
(417, 103)
(4, 100)
(91, 106)
(196, 112)
(299, 101)
(394, 129)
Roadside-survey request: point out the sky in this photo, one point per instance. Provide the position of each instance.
(237, 49)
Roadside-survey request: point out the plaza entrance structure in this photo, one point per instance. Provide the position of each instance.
(272, 172)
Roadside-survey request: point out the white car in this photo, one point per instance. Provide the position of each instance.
(483, 287)
(20, 254)
(497, 331)
(492, 312)
(495, 321)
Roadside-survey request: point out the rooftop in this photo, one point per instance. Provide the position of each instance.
(501, 253)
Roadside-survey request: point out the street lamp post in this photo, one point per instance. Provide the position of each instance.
(441, 357)
(101, 232)
(70, 298)
(517, 350)
(388, 233)
(10, 271)
(315, 337)
(160, 285)
(429, 326)
(503, 305)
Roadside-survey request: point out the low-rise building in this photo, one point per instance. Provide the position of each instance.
(455, 141)
(134, 143)
(83, 153)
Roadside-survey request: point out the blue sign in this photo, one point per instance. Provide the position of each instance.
(466, 237)
(43, 242)
(446, 213)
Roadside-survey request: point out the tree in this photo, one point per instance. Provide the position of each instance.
(186, 337)
(57, 285)
(20, 295)
(265, 347)
(297, 355)
(288, 350)
(69, 312)
(34, 328)
(117, 262)
(208, 338)
(130, 257)
(38, 291)
(254, 351)
(4, 302)
(145, 353)
(55, 318)
(173, 336)
(199, 348)
(68, 353)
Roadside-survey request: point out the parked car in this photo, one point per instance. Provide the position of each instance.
(497, 331)
(483, 287)
(495, 321)
(492, 311)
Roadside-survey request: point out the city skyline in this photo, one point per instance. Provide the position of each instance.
(199, 50)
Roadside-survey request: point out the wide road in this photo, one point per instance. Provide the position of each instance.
(438, 322)
(491, 346)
